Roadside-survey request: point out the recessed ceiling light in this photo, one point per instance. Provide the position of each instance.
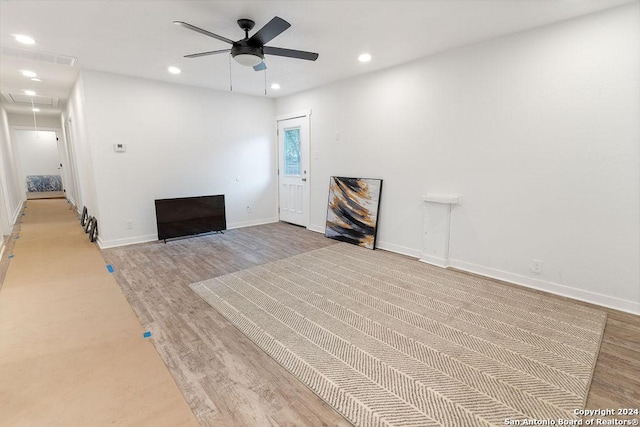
(28, 73)
(365, 57)
(275, 86)
(35, 110)
(174, 70)
(23, 39)
(29, 93)
(35, 79)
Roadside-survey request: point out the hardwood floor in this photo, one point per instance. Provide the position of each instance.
(228, 381)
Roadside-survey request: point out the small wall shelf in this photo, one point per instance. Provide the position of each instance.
(437, 228)
(442, 198)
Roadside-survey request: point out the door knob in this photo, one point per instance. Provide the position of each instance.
(304, 179)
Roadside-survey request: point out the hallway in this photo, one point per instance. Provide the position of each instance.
(72, 351)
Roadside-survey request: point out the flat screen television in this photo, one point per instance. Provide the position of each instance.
(186, 216)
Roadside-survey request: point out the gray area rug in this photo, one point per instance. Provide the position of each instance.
(387, 340)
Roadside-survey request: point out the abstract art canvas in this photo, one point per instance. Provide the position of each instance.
(43, 183)
(352, 214)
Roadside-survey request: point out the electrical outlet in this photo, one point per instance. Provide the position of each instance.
(129, 223)
(536, 266)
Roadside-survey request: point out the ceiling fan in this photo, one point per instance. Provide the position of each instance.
(250, 51)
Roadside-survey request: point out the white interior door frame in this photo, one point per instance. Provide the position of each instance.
(72, 185)
(302, 216)
(19, 161)
(6, 216)
(5, 222)
(74, 163)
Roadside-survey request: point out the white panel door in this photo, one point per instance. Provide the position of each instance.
(293, 170)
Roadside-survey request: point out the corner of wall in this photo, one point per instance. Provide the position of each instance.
(9, 180)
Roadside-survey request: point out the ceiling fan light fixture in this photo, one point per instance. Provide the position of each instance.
(250, 51)
(247, 59)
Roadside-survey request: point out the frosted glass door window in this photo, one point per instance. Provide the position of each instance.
(292, 152)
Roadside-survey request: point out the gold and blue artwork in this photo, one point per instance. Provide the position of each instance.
(352, 213)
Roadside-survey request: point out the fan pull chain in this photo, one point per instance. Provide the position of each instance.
(265, 81)
(230, 78)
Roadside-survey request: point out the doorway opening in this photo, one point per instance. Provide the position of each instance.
(40, 165)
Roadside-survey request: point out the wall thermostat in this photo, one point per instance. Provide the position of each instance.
(119, 148)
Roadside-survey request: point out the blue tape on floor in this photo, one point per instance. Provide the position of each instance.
(146, 335)
(110, 268)
(11, 256)
(16, 238)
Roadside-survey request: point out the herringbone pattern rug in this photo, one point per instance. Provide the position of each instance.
(387, 340)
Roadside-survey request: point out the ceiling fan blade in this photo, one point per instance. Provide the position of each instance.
(270, 31)
(261, 66)
(290, 53)
(201, 31)
(211, 52)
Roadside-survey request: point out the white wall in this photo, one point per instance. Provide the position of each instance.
(12, 198)
(180, 141)
(538, 131)
(77, 140)
(38, 153)
(5, 222)
(26, 121)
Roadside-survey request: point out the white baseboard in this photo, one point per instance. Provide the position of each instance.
(438, 262)
(16, 213)
(106, 244)
(551, 287)
(73, 206)
(317, 228)
(379, 244)
(398, 249)
(529, 282)
(251, 223)
(44, 195)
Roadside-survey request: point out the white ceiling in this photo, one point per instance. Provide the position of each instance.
(137, 38)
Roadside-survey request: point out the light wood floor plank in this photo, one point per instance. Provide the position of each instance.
(227, 380)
